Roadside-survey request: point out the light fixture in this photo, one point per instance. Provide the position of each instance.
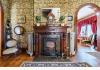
(98, 13)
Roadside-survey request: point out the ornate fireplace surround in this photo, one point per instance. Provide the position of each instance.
(50, 40)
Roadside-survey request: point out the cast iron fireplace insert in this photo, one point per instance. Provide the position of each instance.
(50, 45)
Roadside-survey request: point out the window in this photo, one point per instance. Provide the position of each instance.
(86, 31)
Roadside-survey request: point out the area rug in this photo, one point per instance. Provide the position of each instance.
(54, 64)
(95, 54)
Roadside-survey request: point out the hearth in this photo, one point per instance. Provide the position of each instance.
(50, 45)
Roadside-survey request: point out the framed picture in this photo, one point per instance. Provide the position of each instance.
(70, 18)
(21, 19)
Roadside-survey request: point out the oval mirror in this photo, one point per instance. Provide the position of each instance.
(19, 30)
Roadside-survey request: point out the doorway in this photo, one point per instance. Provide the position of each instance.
(86, 26)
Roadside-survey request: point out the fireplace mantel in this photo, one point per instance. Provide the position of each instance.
(50, 29)
(41, 32)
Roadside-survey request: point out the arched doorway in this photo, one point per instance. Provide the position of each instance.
(1, 29)
(83, 15)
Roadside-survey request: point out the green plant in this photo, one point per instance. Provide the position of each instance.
(87, 41)
(38, 18)
(61, 18)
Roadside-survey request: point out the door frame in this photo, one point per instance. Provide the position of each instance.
(98, 24)
(1, 28)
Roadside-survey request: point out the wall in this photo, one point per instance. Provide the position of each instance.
(4, 13)
(40, 4)
(75, 4)
(31, 8)
(6, 8)
(22, 8)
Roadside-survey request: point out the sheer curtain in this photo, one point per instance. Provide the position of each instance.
(86, 31)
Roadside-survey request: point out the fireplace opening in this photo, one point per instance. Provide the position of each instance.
(50, 45)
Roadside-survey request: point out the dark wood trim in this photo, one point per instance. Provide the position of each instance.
(75, 21)
(1, 28)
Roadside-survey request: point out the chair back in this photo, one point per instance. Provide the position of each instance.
(11, 43)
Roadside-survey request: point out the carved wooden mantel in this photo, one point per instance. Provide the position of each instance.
(39, 31)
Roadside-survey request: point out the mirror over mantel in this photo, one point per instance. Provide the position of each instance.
(54, 11)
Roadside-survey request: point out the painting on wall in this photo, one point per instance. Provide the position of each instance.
(21, 19)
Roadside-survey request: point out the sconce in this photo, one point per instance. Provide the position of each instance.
(69, 18)
(98, 13)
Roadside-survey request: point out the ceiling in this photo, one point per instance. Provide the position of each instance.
(85, 11)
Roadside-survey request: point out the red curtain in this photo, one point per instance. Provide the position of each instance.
(94, 25)
(91, 20)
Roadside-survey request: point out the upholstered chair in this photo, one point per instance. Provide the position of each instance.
(11, 47)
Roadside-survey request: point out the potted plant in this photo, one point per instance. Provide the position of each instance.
(61, 18)
(38, 19)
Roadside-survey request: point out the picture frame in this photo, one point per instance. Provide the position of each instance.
(21, 19)
(70, 18)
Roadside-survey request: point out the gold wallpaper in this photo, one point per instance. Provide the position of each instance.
(22, 8)
(31, 8)
(39, 4)
(5, 4)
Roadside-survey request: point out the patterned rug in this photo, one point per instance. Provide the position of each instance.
(95, 54)
(54, 64)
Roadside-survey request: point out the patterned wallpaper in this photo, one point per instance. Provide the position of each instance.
(31, 8)
(5, 4)
(75, 4)
(39, 4)
(23, 8)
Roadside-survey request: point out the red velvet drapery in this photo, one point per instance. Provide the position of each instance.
(91, 20)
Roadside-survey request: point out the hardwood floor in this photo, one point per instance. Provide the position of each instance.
(14, 61)
(81, 56)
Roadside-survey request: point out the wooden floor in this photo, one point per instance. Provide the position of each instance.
(81, 56)
(14, 61)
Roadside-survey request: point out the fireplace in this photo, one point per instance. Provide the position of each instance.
(50, 40)
(50, 45)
